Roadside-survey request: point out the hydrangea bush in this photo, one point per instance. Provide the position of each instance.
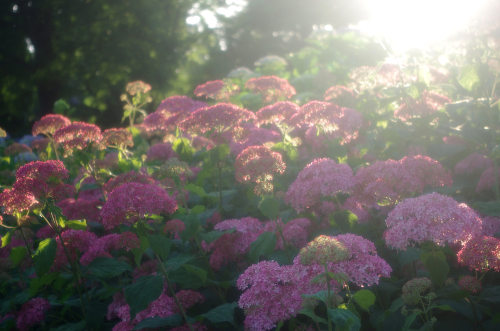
(264, 202)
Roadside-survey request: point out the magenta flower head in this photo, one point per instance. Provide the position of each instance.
(32, 313)
(49, 124)
(117, 137)
(216, 119)
(77, 135)
(277, 112)
(475, 163)
(130, 202)
(322, 178)
(482, 253)
(272, 88)
(431, 217)
(35, 181)
(258, 164)
(179, 104)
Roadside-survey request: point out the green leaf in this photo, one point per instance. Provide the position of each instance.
(159, 322)
(309, 312)
(103, 267)
(44, 256)
(200, 191)
(6, 239)
(183, 148)
(211, 236)
(142, 292)
(409, 320)
(76, 224)
(364, 298)
(490, 208)
(270, 207)
(435, 262)
(320, 295)
(71, 327)
(222, 313)
(469, 78)
(344, 320)
(409, 255)
(160, 245)
(17, 254)
(263, 246)
(178, 261)
(198, 272)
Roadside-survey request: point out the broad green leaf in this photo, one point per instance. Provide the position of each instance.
(76, 224)
(17, 254)
(435, 262)
(263, 246)
(222, 313)
(309, 312)
(104, 267)
(44, 256)
(409, 320)
(6, 239)
(364, 298)
(490, 208)
(344, 320)
(409, 255)
(196, 189)
(159, 322)
(183, 148)
(270, 207)
(79, 326)
(142, 292)
(178, 261)
(469, 78)
(198, 272)
(160, 245)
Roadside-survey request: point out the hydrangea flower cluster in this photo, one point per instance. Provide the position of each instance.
(32, 313)
(49, 124)
(103, 245)
(431, 217)
(127, 177)
(75, 243)
(251, 136)
(488, 179)
(414, 289)
(470, 284)
(258, 164)
(137, 87)
(320, 179)
(215, 119)
(35, 181)
(81, 208)
(293, 232)
(117, 137)
(216, 89)
(131, 201)
(482, 253)
(342, 95)
(272, 88)
(277, 112)
(426, 105)
(77, 136)
(475, 163)
(160, 152)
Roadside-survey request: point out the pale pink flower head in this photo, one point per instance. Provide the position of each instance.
(258, 164)
(431, 217)
(130, 202)
(32, 313)
(482, 253)
(77, 136)
(322, 178)
(272, 88)
(277, 112)
(137, 87)
(216, 89)
(475, 163)
(322, 114)
(414, 289)
(341, 95)
(117, 137)
(49, 124)
(17, 148)
(324, 249)
(215, 119)
(428, 172)
(491, 225)
(251, 136)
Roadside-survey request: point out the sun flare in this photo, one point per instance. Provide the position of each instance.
(409, 24)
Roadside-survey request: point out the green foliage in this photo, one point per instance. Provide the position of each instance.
(142, 292)
(103, 267)
(44, 256)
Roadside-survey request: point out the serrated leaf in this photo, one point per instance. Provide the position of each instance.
(344, 320)
(178, 261)
(263, 246)
(104, 267)
(222, 313)
(364, 298)
(160, 245)
(159, 322)
(44, 256)
(142, 292)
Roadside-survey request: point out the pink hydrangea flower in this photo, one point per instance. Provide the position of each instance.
(322, 178)
(117, 137)
(258, 164)
(272, 88)
(252, 136)
(77, 136)
(49, 124)
(76, 242)
(160, 152)
(103, 245)
(273, 293)
(294, 232)
(277, 112)
(433, 217)
(491, 225)
(81, 208)
(174, 227)
(470, 284)
(488, 179)
(475, 163)
(32, 313)
(482, 253)
(216, 89)
(341, 95)
(131, 201)
(127, 177)
(179, 104)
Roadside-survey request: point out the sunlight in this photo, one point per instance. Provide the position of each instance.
(410, 24)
